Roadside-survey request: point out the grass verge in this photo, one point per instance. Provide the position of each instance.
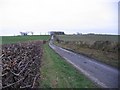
(101, 56)
(57, 73)
(103, 48)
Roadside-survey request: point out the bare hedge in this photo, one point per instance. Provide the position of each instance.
(21, 65)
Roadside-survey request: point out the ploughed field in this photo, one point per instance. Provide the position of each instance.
(21, 63)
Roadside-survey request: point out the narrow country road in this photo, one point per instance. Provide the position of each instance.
(103, 75)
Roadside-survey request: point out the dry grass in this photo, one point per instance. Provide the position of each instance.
(103, 49)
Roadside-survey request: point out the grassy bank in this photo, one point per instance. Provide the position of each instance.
(15, 39)
(103, 48)
(57, 73)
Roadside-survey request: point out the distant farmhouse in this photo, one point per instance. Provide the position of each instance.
(91, 33)
(57, 33)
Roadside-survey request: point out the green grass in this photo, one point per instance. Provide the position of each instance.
(15, 39)
(57, 73)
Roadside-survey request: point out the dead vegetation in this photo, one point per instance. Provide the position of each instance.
(100, 48)
(21, 65)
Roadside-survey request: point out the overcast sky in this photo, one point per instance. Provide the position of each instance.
(70, 16)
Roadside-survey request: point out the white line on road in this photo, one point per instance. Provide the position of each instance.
(109, 68)
(87, 74)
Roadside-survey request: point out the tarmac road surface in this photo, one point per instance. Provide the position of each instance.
(101, 74)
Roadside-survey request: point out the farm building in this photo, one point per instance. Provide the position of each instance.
(57, 33)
